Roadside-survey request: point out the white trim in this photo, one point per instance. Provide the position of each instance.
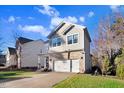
(53, 39)
(72, 35)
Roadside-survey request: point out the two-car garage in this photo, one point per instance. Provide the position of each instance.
(67, 66)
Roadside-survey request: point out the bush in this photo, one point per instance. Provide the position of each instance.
(107, 68)
(111, 70)
(120, 71)
(119, 61)
(105, 65)
(96, 70)
(120, 58)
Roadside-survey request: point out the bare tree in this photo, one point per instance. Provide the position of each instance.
(107, 44)
(118, 28)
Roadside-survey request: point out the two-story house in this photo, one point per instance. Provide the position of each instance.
(27, 50)
(68, 49)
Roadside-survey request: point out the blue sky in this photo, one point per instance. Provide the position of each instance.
(36, 22)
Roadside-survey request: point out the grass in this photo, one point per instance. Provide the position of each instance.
(89, 81)
(16, 74)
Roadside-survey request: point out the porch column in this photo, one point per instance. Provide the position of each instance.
(39, 60)
(19, 63)
(82, 63)
(44, 61)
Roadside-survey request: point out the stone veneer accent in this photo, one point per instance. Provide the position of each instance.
(74, 55)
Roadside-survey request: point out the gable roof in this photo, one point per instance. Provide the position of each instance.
(56, 29)
(12, 51)
(71, 26)
(23, 40)
(68, 29)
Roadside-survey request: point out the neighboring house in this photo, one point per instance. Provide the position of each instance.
(9, 59)
(68, 49)
(19, 44)
(2, 60)
(28, 51)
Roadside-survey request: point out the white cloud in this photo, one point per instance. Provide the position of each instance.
(115, 8)
(48, 10)
(82, 19)
(72, 19)
(18, 17)
(30, 17)
(11, 19)
(55, 16)
(34, 28)
(91, 14)
(56, 20)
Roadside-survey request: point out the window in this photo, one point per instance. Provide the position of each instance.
(75, 38)
(72, 39)
(41, 51)
(55, 42)
(58, 41)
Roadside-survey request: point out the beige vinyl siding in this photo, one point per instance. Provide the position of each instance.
(78, 51)
(87, 52)
(10, 59)
(29, 53)
(65, 46)
(83, 45)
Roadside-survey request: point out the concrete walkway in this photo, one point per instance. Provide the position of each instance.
(43, 80)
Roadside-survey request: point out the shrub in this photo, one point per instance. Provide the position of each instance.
(120, 71)
(119, 61)
(96, 70)
(105, 65)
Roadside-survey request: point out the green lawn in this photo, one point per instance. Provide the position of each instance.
(16, 74)
(89, 81)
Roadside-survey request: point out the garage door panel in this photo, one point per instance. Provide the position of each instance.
(75, 65)
(62, 66)
(66, 66)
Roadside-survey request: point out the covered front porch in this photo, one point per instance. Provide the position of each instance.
(44, 62)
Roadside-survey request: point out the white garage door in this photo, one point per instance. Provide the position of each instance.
(62, 66)
(66, 66)
(75, 66)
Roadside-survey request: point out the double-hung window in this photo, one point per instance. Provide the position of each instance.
(72, 39)
(58, 41)
(75, 38)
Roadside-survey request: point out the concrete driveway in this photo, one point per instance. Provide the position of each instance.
(43, 80)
